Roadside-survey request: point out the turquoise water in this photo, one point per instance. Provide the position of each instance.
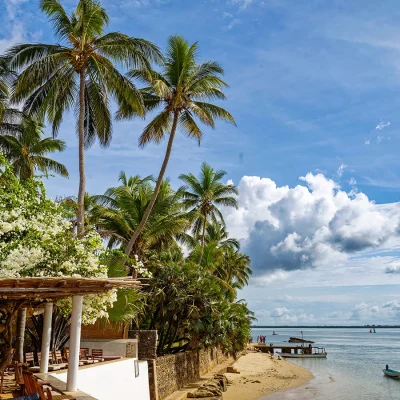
(353, 368)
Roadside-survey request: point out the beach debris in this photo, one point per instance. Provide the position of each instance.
(233, 370)
(208, 390)
(222, 381)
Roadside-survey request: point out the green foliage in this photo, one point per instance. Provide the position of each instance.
(26, 149)
(49, 74)
(191, 310)
(121, 209)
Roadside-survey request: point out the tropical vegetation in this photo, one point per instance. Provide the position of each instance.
(173, 238)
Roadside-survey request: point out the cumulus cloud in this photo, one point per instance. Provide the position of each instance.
(382, 125)
(393, 268)
(311, 225)
(282, 315)
(387, 311)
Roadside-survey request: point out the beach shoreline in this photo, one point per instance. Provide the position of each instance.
(261, 375)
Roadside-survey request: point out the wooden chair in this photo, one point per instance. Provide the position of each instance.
(97, 354)
(33, 385)
(58, 359)
(66, 357)
(85, 358)
(34, 367)
(19, 379)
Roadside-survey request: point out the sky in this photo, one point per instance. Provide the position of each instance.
(315, 91)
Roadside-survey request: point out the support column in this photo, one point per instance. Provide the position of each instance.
(46, 337)
(74, 344)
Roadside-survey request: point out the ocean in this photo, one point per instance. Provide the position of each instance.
(353, 367)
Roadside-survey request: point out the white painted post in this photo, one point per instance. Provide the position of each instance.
(74, 344)
(46, 338)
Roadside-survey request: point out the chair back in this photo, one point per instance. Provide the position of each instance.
(32, 385)
(30, 359)
(18, 373)
(58, 358)
(97, 353)
(66, 354)
(84, 354)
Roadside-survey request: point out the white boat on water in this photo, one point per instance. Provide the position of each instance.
(392, 373)
(304, 352)
(313, 355)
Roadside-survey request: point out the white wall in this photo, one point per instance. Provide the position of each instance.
(113, 380)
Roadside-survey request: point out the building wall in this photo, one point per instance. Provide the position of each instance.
(120, 347)
(177, 370)
(113, 380)
(101, 330)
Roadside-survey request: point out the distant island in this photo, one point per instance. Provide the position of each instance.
(325, 326)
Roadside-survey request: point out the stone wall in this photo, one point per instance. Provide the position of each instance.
(147, 343)
(177, 370)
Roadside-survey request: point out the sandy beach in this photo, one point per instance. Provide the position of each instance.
(261, 375)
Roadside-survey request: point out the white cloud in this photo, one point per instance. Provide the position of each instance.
(367, 142)
(308, 226)
(17, 30)
(382, 125)
(341, 169)
(243, 4)
(227, 15)
(379, 139)
(352, 181)
(367, 312)
(233, 23)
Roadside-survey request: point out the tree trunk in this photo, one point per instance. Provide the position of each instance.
(21, 323)
(203, 235)
(146, 215)
(82, 176)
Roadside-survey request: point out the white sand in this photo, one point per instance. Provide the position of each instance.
(261, 375)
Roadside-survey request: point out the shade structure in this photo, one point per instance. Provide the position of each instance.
(32, 292)
(38, 290)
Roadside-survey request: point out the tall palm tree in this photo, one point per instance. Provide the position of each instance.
(203, 195)
(180, 91)
(6, 79)
(26, 151)
(79, 72)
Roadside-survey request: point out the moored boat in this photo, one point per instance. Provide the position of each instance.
(391, 373)
(305, 352)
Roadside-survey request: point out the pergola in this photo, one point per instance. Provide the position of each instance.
(34, 292)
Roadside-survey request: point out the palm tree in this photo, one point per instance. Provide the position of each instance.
(180, 90)
(6, 79)
(26, 151)
(121, 209)
(203, 195)
(80, 73)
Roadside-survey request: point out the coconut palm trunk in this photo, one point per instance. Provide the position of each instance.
(19, 345)
(82, 176)
(146, 215)
(203, 236)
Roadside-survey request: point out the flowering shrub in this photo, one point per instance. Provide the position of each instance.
(36, 240)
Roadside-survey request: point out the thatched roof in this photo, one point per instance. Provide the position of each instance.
(48, 289)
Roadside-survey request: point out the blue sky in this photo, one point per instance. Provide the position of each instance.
(314, 88)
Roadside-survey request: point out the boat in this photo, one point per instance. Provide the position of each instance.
(306, 352)
(274, 333)
(391, 373)
(293, 351)
(298, 340)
